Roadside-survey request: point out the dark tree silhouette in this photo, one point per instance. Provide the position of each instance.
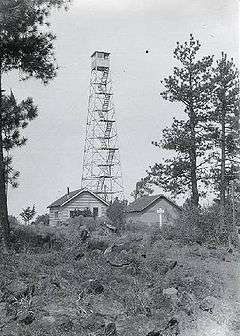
(190, 86)
(26, 45)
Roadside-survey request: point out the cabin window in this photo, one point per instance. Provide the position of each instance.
(95, 212)
(81, 212)
(56, 214)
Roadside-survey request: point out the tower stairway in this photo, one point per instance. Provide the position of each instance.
(108, 130)
(101, 162)
(106, 101)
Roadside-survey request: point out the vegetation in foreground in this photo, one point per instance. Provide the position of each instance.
(83, 279)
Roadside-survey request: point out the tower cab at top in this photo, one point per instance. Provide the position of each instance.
(100, 60)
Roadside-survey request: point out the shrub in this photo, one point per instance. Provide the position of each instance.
(34, 238)
(42, 219)
(200, 225)
(116, 213)
(13, 221)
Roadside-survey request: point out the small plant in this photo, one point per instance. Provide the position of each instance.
(28, 214)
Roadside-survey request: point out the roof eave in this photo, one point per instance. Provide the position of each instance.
(152, 202)
(74, 196)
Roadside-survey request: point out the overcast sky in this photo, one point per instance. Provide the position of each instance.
(52, 158)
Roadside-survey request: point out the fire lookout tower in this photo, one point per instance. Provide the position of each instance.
(101, 160)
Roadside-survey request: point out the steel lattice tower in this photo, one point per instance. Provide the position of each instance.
(101, 161)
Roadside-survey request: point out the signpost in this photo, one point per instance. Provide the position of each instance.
(160, 212)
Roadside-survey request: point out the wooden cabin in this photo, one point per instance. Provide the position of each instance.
(76, 201)
(154, 211)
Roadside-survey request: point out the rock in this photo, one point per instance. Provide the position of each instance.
(208, 303)
(106, 307)
(47, 320)
(171, 291)
(28, 318)
(110, 329)
(154, 333)
(60, 311)
(96, 287)
(17, 288)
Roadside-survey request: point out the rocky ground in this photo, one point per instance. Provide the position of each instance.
(126, 286)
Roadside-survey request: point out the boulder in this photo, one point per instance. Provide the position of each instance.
(208, 304)
(171, 291)
(105, 306)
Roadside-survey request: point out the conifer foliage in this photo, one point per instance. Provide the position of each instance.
(190, 86)
(205, 144)
(26, 45)
(28, 214)
(15, 118)
(143, 188)
(224, 124)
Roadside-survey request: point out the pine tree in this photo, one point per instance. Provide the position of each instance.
(143, 188)
(224, 128)
(190, 86)
(15, 118)
(28, 214)
(26, 45)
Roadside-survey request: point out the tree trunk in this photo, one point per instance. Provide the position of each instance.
(3, 196)
(223, 172)
(192, 149)
(193, 161)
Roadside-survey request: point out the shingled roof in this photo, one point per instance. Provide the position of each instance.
(68, 197)
(144, 202)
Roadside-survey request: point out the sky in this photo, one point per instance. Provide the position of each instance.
(52, 159)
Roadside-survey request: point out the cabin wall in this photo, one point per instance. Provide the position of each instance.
(150, 217)
(83, 201)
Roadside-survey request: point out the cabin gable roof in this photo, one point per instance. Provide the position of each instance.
(143, 203)
(72, 195)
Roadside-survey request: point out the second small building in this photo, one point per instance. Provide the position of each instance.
(154, 210)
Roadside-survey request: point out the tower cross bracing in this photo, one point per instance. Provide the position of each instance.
(101, 160)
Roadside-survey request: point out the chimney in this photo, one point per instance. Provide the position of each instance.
(68, 190)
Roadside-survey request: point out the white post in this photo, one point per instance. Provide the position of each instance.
(160, 212)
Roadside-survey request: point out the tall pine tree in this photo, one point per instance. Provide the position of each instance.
(224, 128)
(190, 85)
(26, 45)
